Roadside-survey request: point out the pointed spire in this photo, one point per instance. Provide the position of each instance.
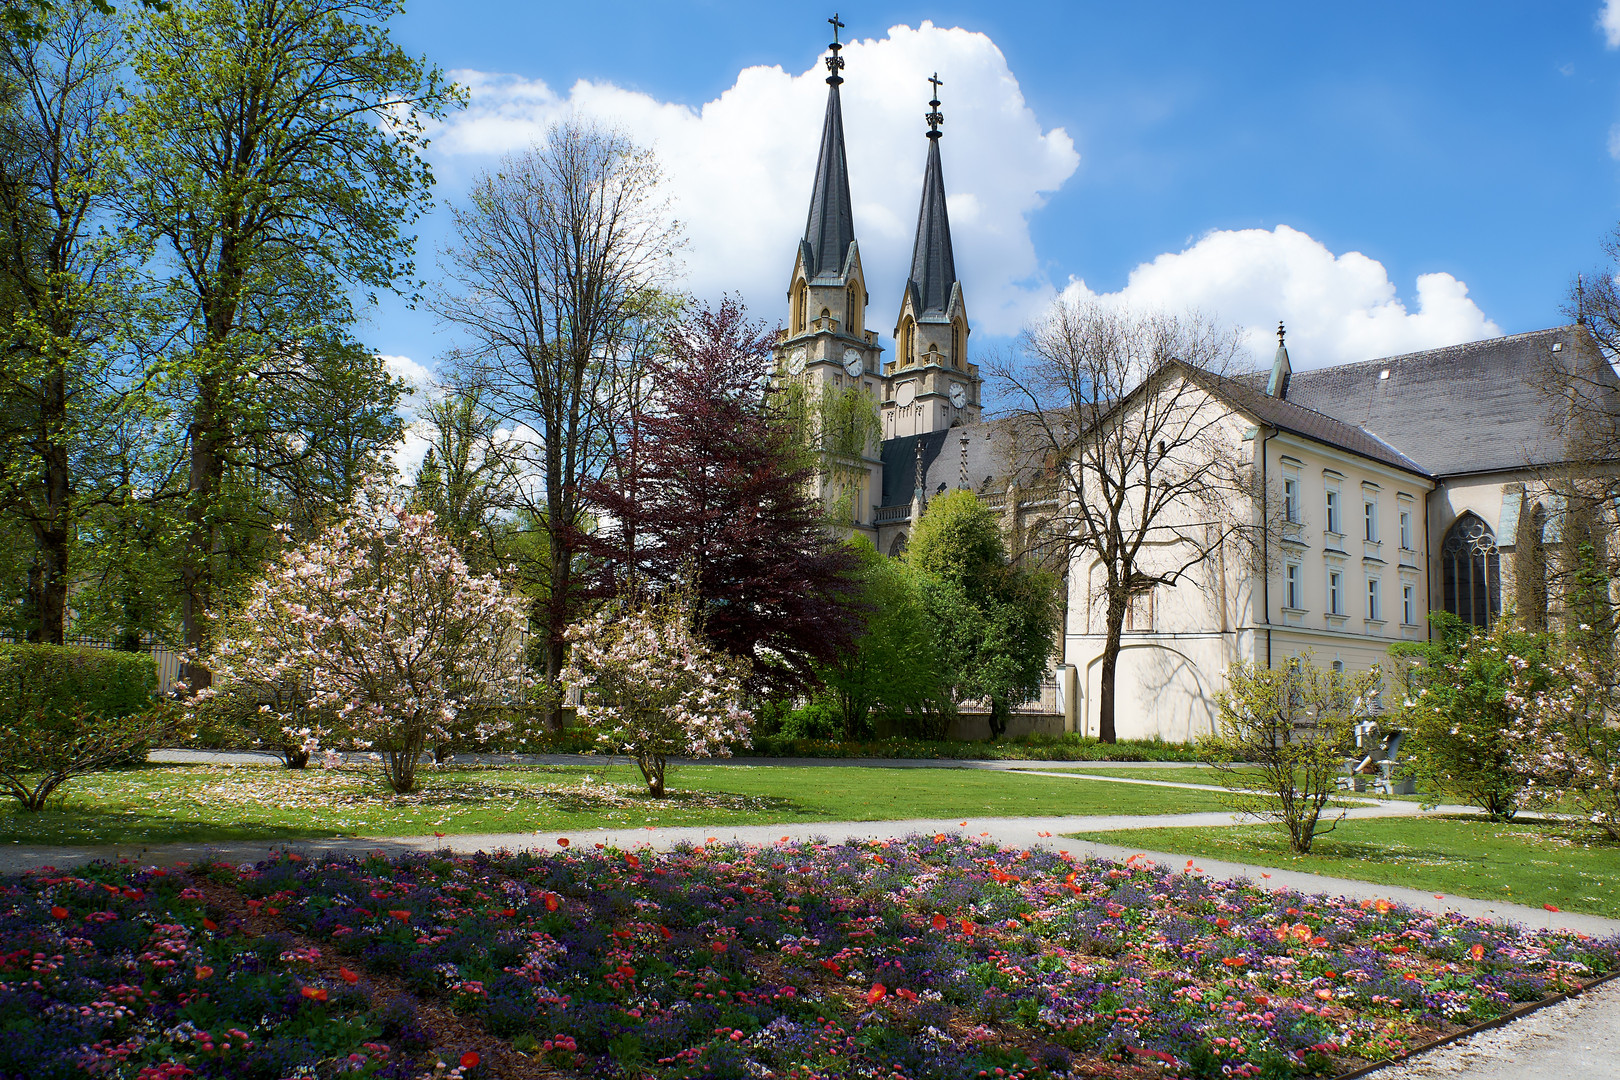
(1281, 369)
(933, 265)
(830, 228)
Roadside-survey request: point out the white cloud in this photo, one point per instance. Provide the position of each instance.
(403, 367)
(1609, 22)
(1338, 308)
(740, 166)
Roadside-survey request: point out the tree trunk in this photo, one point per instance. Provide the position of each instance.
(652, 770)
(1110, 665)
(196, 570)
(52, 527)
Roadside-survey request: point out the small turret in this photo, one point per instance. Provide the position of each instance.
(1281, 369)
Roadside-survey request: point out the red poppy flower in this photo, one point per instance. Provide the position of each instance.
(59, 912)
(402, 916)
(719, 946)
(626, 970)
(665, 931)
(470, 1059)
(562, 841)
(940, 922)
(875, 995)
(210, 924)
(831, 966)
(507, 913)
(632, 860)
(314, 993)
(204, 972)
(1477, 952)
(939, 838)
(1550, 907)
(551, 902)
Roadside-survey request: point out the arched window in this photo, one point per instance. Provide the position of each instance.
(957, 359)
(909, 343)
(1530, 569)
(897, 548)
(801, 308)
(852, 316)
(1471, 571)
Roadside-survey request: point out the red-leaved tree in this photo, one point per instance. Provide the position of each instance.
(717, 488)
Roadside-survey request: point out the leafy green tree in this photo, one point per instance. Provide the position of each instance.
(996, 621)
(1457, 715)
(274, 148)
(469, 474)
(1283, 736)
(894, 675)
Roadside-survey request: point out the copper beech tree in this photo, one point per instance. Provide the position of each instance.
(716, 485)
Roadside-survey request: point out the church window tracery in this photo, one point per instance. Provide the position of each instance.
(1471, 572)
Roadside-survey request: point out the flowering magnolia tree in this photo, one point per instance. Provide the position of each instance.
(652, 685)
(1566, 740)
(374, 635)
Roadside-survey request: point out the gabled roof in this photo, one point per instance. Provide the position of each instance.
(1290, 416)
(933, 265)
(1484, 406)
(830, 228)
(988, 461)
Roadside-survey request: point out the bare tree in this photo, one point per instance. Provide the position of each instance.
(552, 280)
(1113, 409)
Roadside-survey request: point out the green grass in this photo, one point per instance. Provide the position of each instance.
(216, 803)
(1523, 863)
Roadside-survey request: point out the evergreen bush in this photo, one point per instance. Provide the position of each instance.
(60, 681)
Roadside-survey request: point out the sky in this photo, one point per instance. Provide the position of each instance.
(1384, 177)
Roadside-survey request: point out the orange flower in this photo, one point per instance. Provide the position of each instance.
(1319, 941)
(402, 916)
(875, 995)
(632, 860)
(1477, 952)
(940, 922)
(1233, 961)
(551, 902)
(1383, 906)
(1222, 923)
(939, 838)
(967, 927)
(507, 913)
(1325, 995)
(59, 912)
(470, 1059)
(348, 976)
(1409, 977)
(562, 841)
(1550, 907)
(314, 993)
(1261, 1001)
(204, 972)
(1302, 932)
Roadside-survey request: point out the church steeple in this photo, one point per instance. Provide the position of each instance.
(931, 382)
(933, 264)
(830, 227)
(1281, 369)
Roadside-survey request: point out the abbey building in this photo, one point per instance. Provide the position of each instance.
(1438, 480)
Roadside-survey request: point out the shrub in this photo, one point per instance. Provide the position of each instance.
(41, 751)
(1456, 713)
(1295, 724)
(60, 681)
(1565, 739)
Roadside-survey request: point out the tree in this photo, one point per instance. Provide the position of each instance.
(720, 490)
(1283, 736)
(374, 634)
(1110, 414)
(995, 622)
(552, 279)
(894, 673)
(1456, 712)
(1564, 738)
(651, 682)
(275, 150)
(468, 474)
(66, 280)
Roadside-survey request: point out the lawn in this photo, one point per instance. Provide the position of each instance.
(929, 958)
(1529, 863)
(206, 803)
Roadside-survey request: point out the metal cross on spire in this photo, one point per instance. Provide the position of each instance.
(835, 62)
(935, 117)
(1280, 334)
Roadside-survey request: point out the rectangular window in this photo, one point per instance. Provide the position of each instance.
(1139, 615)
(1291, 499)
(1408, 605)
(1372, 598)
(1335, 579)
(1370, 512)
(1333, 512)
(1294, 598)
(1406, 530)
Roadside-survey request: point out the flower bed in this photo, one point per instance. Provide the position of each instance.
(931, 957)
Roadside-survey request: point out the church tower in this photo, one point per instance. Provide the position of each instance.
(932, 386)
(826, 346)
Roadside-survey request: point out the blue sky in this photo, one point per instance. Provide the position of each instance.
(1386, 176)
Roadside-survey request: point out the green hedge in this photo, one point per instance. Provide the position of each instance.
(55, 680)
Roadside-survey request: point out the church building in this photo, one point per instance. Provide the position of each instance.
(1390, 487)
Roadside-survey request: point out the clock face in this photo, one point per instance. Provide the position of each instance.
(852, 363)
(906, 394)
(795, 360)
(958, 395)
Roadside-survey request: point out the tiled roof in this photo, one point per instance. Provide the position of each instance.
(1480, 407)
(989, 464)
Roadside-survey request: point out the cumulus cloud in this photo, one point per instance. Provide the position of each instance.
(740, 166)
(1338, 308)
(1609, 23)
